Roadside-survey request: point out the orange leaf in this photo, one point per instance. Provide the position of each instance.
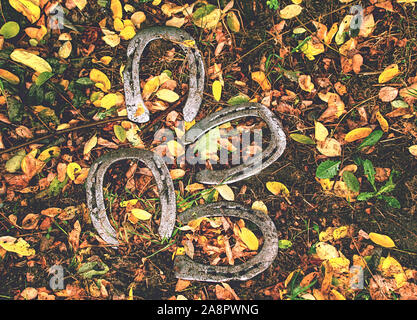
(357, 134)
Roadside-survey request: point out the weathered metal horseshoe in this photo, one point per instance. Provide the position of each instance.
(131, 73)
(187, 269)
(274, 150)
(95, 196)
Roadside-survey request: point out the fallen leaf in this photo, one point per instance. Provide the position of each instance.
(305, 83)
(260, 206)
(358, 133)
(30, 221)
(413, 150)
(181, 285)
(290, 11)
(30, 60)
(141, 214)
(176, 149)
(388, 94)
(248, 238)
(20, 246)
(9, 77)
(90, 144)
(116, 8)
(326, 251)
(381, 240)
(277, 188)
(29, 293)
(72, 169)
(261, 79)
(226, 192)
(167, 95)
(100, 79)
(217, 90)
(28, 8)
(382, 121)
(330, 147)
(320, 131)
(389, 73)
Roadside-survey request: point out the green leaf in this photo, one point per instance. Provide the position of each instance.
(302, 138)
(372, 139)
(15, 110)
(203, 11)
(351, 181)
(399, 104)
(13, 164)
(364, 196)
(327, 169)
(240, 98)
(392, 201)
(284, 244)
(207, 144)
(84, 81)
(120, 133)
(369, 170)
(10, 29)
(43, 77)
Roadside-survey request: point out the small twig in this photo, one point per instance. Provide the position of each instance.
(61, 132)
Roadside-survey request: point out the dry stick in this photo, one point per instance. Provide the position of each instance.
(60, 132)
(89, 125)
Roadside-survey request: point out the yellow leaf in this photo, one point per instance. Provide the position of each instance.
(167, 95)
(209, 21)
(176, 173)
(128, 33)
(141, 214)
(118, 24)
(389, 73)
(337, 295)
(20, 246)
(100, 79)
(290, 11)
(233, 22)
(175, 148)
(30, 60)
(217, 90)
(382, 121)
(260, 206)
(125, 203)
(108, 101)
(358, 133)
(65, 50)
(116, 8)
(330, 34)
(194, 187)
(150, 87)
(260, 78)
(73, 168)
(277, 188)
(113, 40)
(248, 238)
(49, 153)
(8, 76)
(320, 131)
(226, 192)
(29, 9)
(312, 48)
(130, 293)
(381, 240)
(90, 144)
(106, 60)
(413, 150)
(340, 232)
(80, 4)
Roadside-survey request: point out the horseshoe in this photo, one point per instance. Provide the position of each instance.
(187, 269)
(95, 196)
(131, 73)
(274, 150)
